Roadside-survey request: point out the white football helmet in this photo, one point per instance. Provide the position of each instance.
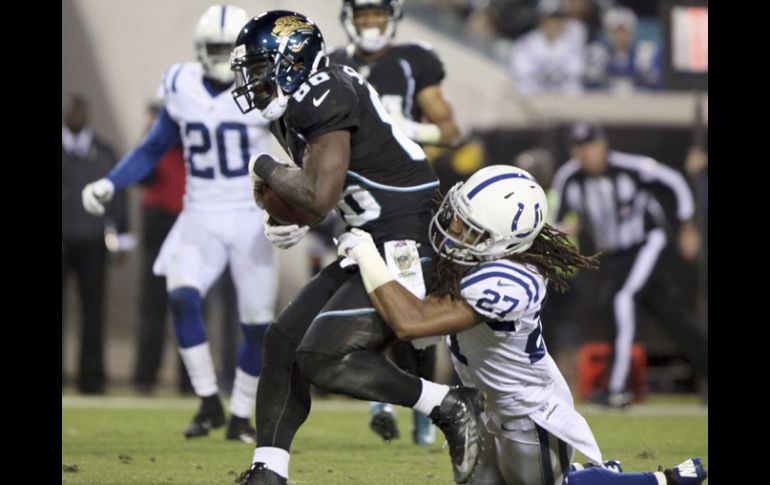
(215, 36)
(371, 39)
(497, 212)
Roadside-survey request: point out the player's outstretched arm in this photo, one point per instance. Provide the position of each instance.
(408, 316)
(139, 162)
(134, 166)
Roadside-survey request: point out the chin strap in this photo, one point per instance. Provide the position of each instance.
(277, 107)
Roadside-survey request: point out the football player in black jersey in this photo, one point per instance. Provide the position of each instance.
(346, 153)
(407, 77)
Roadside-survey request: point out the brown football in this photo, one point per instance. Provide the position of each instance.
(283, 212)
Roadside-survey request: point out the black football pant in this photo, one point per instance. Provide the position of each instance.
(639, 277)
(88, 259)
(329, 336)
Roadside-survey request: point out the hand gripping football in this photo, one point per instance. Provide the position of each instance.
(283, 212)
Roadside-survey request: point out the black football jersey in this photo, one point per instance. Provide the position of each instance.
(389, 187)
(404, 70)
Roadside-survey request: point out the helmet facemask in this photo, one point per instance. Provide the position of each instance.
(371, 39)
(215, 35)
(215, 59)
(255, 79)
(275, 53)
(454, 236)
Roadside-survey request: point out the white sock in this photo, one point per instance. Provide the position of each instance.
(276, 459)
(197, 360)
(431, 396)
(661, 478)
(244, 394)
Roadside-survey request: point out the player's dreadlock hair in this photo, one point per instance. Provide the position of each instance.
(554, 256)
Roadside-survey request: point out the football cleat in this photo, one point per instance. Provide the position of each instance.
(458, 417)
(384, 422)
(210, 415)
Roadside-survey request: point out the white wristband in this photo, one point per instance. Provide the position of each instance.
(374, 271)
(427, 133)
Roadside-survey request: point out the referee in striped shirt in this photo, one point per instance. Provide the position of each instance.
(618, 215)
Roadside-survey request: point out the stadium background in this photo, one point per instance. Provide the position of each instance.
(115, 52)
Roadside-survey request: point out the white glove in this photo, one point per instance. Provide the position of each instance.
(96, 194)
(428, 133)
(284, 237)
(358, 245)
(353, 243)
(420, 132)
(258, 184)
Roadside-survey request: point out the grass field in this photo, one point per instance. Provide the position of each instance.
(138, 440)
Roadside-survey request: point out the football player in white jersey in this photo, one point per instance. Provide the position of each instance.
(219, 223)
(497, 256)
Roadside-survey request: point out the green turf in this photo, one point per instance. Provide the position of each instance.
(123, 440)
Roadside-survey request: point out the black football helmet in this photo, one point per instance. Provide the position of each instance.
(274, 54)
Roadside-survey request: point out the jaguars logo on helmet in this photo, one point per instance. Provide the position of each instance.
(286, 25)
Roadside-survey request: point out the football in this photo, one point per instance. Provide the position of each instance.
(283, 212)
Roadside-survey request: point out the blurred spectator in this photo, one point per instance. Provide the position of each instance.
(161, 203)
(550, 58)
(504, 18)
(644, 8)
(589, 13)
(621, 64)
(85, 238)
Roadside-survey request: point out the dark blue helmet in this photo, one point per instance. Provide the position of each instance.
(279, 49)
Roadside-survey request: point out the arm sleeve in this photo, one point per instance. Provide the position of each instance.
(139, 162)
(655, 172)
